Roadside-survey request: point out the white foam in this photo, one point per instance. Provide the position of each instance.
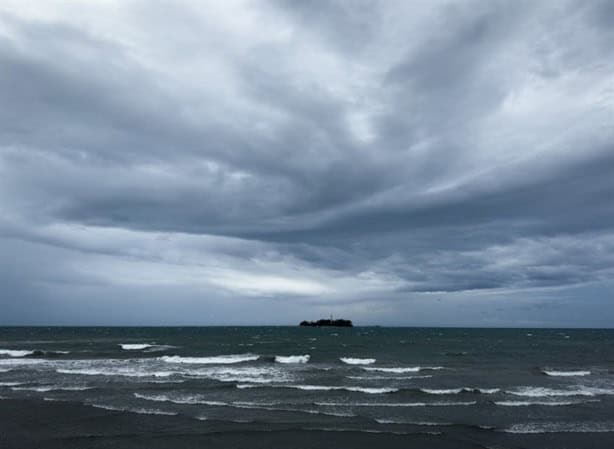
(178, 400)
(220, 359)
(10, 384)
(388, 377)
(292, 358)
(5, 370)
(16, 352)
(442, 391)
(401, 370)
(566, 373)
(135, 346)
(115, 371)
(396, 404)
(142, 411)
(355, 361)
(327, 388)
(539, 392)
(460, 390)
(413, 369)
(46, 388)
(530, 403)
(559, 427)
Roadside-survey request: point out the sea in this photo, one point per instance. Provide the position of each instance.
(295, 387)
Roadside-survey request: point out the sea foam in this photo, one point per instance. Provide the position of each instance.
(356, 361)
(566, 373)
(135, 346)
(219, 359)
(292, 358)
(16, 352)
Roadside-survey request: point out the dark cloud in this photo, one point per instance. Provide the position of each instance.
(327, 156)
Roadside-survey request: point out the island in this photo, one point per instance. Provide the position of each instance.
(331, 322)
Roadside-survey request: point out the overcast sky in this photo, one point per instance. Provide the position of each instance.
(255, 162)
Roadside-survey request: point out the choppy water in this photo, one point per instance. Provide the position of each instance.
(395, 380)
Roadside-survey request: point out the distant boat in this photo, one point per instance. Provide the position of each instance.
(319, 323)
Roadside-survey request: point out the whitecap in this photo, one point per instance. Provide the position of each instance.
(396, 404)
(16, 352)
(118, 371)
(442, 391)
(413, 369)
(566, 373)
(220, 359)
(142, 411)
(135, 346)
(401, 370)
(538, 392)
(530, 403)
(326, 388)
(178, 400)
(356, 361)
(10, 384)
(388, 377)
(292, 358)
(46, 388)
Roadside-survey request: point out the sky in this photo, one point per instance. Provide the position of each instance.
(408, 163)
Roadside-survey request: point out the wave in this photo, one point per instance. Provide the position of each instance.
(395, 404)
(566, 373)
(539, 392)
(325, 388)
(10, 384)
(135, 346)
(46, 388)
(355, 361)
(531, 403)
(182, 400)
(16, 352)
(388, 377)
(292, 358)
(220, 359)
(5, 370)
(142, 411)
(560, 427)
(401, 370)
(115, 372)
(460, 390)
(412, 423)
(268, 406)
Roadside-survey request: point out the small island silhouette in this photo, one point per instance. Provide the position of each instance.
(331, 322)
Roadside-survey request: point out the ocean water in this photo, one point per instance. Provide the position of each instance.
(506, 387)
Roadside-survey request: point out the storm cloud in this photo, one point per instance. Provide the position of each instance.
(264, 162)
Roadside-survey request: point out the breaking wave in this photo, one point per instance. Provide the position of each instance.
(401, 370)
(326, 388)
(46, 388)
(531, 403)
(118, 371)
(540, 392)
(135, 346)
(355, 361)
(141, 411)
(220, 359)
(566, 373)
(16, 352)
(395, 404)
(292, 358)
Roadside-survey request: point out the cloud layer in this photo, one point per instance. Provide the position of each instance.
(412, 163)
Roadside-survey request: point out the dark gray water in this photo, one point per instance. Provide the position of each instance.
(491, 385)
